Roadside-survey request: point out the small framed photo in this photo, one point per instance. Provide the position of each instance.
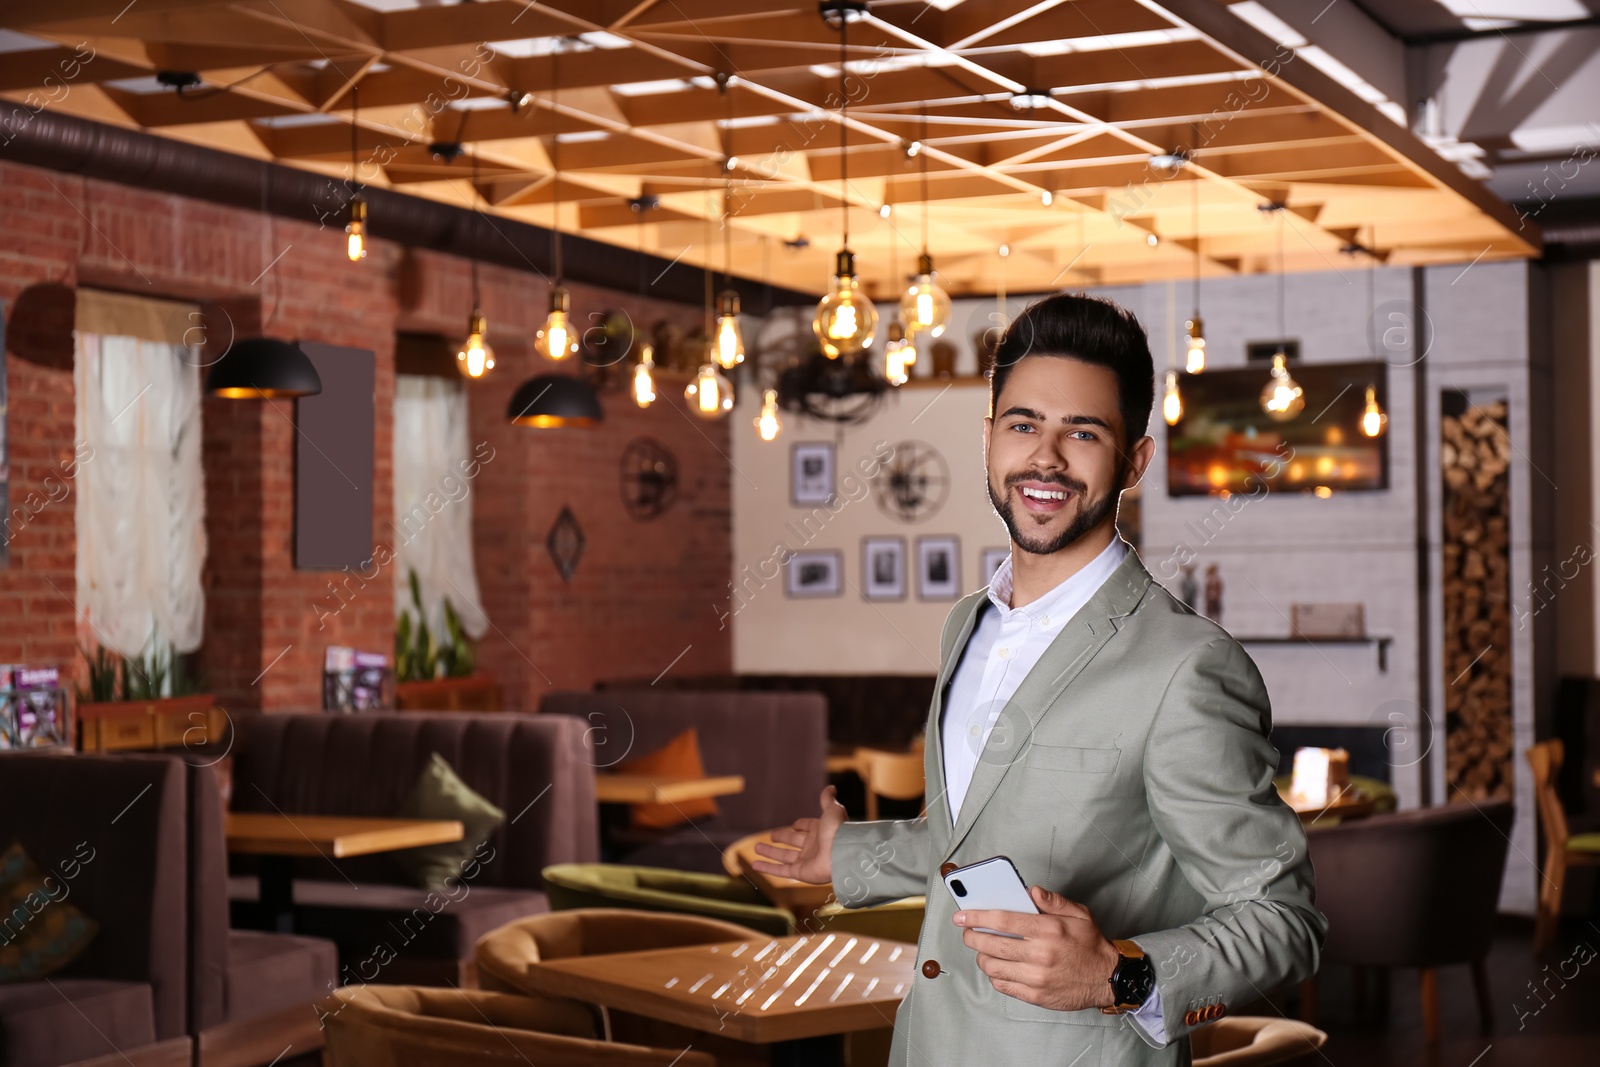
(883, 568)
(811, 472)
(989, 561)
(814, 574)
(938, 568)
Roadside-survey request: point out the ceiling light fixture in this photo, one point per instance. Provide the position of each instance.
(475, 358)
(1195, 329)
(710, 393)
(925, 306)
(556, 340)
(768, 424)
(1172, 402)
(1281, 398)
(728, 347)
(263, 368)
(356, 229)
(644, 385)
(845, 320)
(1030, 100)
(1373, 420)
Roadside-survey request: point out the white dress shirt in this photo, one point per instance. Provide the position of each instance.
(1005, 644)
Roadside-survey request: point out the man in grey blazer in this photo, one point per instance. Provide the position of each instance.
(1090, 727)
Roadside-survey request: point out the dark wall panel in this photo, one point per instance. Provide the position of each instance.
(333, 461)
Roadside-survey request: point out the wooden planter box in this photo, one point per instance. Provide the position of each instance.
(189, 721)
(476, 692)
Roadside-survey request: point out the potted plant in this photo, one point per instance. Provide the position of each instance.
(148, 701)
(438, 675)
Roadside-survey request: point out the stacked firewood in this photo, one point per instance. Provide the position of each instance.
(1476, 458)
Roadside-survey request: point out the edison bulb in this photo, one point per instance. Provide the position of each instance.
(356, 231)
(768, 424)
(476, 358)
(894, 356)
(1196, 361)
(710, 394)
(1373, 420)
(557, 340)
(729, 344)
(845, 320)
(1172, 401)
(1282, 398)
(644, 386)
(925, 306)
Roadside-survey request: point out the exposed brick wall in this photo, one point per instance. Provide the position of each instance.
(642, 592)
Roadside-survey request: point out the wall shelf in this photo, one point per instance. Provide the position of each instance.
(1383, 643)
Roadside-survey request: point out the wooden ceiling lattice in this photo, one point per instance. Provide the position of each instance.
(1067, 187)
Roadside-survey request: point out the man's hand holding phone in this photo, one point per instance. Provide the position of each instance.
(1056, 959)
(808, 857)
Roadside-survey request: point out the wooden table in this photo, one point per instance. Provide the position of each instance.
(646, 789)
(797, 993)
(1350, 804)
(800, 898)
(278, 838)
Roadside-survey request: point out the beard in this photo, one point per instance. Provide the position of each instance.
(1091, 513)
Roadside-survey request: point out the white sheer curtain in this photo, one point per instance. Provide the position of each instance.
(140, 500)
(434, 467)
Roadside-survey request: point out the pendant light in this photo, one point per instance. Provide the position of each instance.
(553, 401)
(925, 306)
(729, 344)
(1281, 398)
(644, 384)
(356, 229)
(1373, 420)
(845, 320)
(898, 344)
(1194, 329)
(556, 340)
(1171, 401)
(475, 358)
(710, 393)
(768, 424)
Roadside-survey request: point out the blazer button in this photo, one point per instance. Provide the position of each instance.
(1218, 1010)
(930, 969)
(946, 868)
(1189, 1018)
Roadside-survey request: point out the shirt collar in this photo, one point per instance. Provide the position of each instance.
(1081, 586)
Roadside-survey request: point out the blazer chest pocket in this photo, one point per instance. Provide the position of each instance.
(1077, 760)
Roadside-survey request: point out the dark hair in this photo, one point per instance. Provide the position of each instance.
(1093, 330)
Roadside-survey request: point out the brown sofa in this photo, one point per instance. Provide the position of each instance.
(777, 741)
(536, 769)
(873, 710)
(253, 995)
(124, 999)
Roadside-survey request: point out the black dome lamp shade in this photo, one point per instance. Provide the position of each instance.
(552, 400)
(263, 367)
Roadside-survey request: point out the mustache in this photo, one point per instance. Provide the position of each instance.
(1072, 484)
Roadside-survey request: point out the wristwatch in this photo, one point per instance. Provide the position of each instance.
(1133, 980)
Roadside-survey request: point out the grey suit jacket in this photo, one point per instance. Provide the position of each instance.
(1130, 772)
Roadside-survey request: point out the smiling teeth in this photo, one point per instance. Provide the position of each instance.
(1044, 494)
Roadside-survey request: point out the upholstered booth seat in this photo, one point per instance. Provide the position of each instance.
(1249, 1041)
(407, 1026)
(42, 1023)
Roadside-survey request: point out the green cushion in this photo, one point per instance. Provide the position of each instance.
(1584, 843)
(609, 885)
(39, 931)
(441, 794)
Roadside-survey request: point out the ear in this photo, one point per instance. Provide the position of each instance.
(988, 428)
(1144, 451)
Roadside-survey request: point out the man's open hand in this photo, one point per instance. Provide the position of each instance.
(1063, 962)
(808, 857)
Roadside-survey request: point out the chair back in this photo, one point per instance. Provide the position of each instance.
(1546, 758)
(573, 886)
(1414, 889)
(410, 1026)
(896, 775)
(1256, 1041)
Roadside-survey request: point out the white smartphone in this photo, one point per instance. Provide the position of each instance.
(993, 884)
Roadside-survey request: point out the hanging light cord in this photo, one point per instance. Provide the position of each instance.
(923, 153)
(1283, 315)
(844, 126)
(555, 158)
(727, 189)
(355, 134)
(476, 306)
(1194, 202)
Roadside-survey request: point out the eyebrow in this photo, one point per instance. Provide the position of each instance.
(1068, 420)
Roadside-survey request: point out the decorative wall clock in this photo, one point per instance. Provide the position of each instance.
(912, 486)
(649, 478)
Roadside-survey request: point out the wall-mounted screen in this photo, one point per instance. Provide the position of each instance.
(1226, 442)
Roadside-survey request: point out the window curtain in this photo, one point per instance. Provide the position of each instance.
(140, 503)
(434, 467)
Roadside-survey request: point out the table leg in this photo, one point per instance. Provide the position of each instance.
(824, 1051)
(276, 875)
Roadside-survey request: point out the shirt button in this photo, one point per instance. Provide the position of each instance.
(1004, 653)
(974, 730)
(930, 969)
(1044, 620)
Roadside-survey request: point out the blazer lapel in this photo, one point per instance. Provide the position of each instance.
(1082, 636)
(966, 617)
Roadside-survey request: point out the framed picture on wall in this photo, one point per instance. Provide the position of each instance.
(883, 568)
(811, 472)
(989, 561)
(938, 568)
(814, 574)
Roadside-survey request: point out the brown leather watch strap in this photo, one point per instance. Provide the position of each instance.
(1131, 950)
